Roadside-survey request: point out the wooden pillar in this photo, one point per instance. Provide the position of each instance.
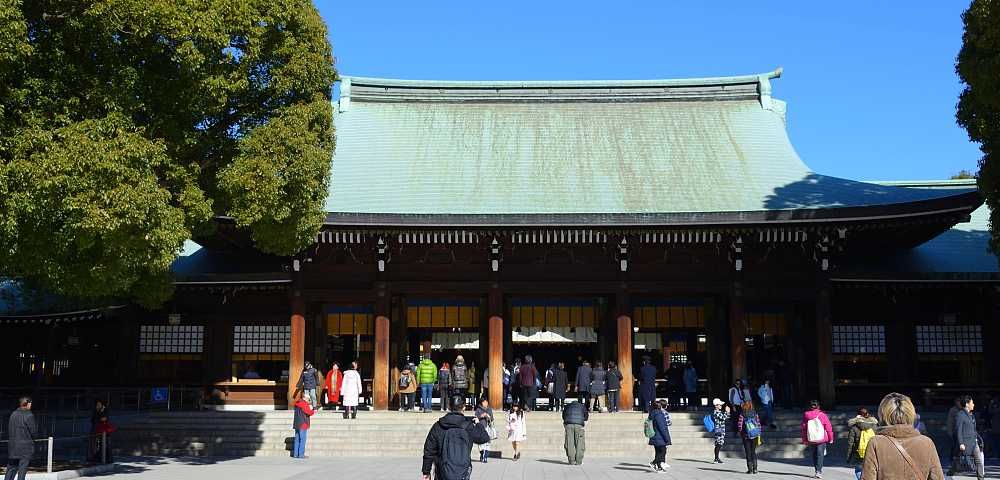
(297, 347)
(496, 361)
(380, 377)
(625, 361)
(737, 332)
(824, 347)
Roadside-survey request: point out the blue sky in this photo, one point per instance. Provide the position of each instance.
(870, 86)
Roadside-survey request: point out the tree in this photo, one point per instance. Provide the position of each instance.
(126, 126)
(978, 66)
(963, 175)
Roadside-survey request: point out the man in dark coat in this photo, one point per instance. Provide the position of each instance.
(468, 431)
(21, 440)
(967, 438)
(575, 417)
(583, 382)
(647, 384)
(559, 382)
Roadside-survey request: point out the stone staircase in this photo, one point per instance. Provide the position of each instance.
(397, 434)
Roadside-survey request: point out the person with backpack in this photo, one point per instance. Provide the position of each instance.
(527, 376)
(583, 383)
(749, 428)
(517, 429)
(459, 377)
(485, 415)
(739, 394)
(614, 385)
(657, 430)
(817, 433)
(448, 446)
(862, 429)
(575, 417)
(598, 385)
(407, 389)
(444, 385)
(300, 423)
(427, 375)
(898, 451)
(970, 450)
(717, 420)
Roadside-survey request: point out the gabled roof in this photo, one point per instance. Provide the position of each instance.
(629, 152)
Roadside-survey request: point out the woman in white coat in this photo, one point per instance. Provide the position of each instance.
(351, 390)
(517, 429)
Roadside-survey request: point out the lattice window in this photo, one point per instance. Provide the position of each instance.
(262, 338)
(858, 339)
(949, 339)
(171, 338)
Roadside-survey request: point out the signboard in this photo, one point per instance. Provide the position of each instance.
(159, 395)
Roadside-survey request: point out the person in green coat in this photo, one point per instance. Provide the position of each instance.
(427, 374)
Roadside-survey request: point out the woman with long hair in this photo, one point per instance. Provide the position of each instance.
(749, 427)
(517, 429)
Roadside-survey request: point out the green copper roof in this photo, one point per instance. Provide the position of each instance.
(622, 147)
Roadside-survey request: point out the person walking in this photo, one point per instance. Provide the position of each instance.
(427, 375)
(658, 424)
(444, 385)
(407, 389)
(817, 433)
(575, 417)
(967, 438)
(598, 385)
(559, 383)
(485, 415)
(307, 384)
(862, 429)
(583, 383)
(352, 389)
(766, 396)
(899, 451)
(300, 423)
(720, 417)
(334, 382)
(749, 428)
(460, 377)
(691, 386)
(647, 384)
(528, 379)
(448, 446)
(21, 433)
(614, 384)
(517, 429)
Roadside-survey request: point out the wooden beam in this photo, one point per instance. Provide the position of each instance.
(737, 332)
(496, 362)
(297, 347)
(824, 347)
(380, 385)
(625, 361)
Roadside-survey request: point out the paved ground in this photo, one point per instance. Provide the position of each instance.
(269, 468)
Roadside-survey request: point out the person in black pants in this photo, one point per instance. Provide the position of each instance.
(583, 382)
(559, 381)
(749, 428)
(22, 431)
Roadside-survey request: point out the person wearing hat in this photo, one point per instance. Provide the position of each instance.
(720, 417)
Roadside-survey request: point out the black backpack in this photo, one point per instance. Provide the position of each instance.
(459, 374)
(456, 463)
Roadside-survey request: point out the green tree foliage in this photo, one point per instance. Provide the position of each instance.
(978, 66)
(127, 125)
(963, 175)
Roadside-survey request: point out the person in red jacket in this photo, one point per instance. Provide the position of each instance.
(300, 423)
(817, 433)
(334, 380)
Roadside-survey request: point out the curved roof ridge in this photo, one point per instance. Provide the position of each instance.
(515, 84)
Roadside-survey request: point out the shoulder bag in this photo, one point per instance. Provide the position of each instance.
(906, 457)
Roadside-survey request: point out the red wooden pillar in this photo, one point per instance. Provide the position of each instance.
(737, 333)
(625, 361)
(496, 361)
(380, 384)
(297, 347)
